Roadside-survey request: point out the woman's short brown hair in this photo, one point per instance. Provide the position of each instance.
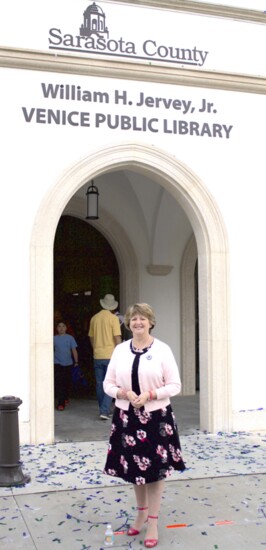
(140, 309)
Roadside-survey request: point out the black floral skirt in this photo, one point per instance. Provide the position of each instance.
(144, 446)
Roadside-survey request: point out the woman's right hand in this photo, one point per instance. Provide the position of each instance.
(132, 396)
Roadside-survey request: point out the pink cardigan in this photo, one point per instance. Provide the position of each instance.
(157, 371)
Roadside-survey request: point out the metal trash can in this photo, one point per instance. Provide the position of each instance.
(10, 466)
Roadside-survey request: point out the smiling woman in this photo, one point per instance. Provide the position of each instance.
(144, 446)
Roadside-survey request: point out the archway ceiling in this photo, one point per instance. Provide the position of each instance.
(154, 222)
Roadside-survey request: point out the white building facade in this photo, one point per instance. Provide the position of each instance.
(165, 109)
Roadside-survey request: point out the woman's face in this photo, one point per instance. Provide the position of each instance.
(140, 325)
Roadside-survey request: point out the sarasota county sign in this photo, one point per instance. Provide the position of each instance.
(93, 37)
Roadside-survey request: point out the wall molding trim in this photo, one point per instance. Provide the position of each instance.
(31, 60)
(203, 8)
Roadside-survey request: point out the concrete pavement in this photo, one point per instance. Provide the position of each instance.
(219, 502)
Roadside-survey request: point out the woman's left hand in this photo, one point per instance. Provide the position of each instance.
(141, 400)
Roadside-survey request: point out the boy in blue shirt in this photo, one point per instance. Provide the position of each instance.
(65, 350)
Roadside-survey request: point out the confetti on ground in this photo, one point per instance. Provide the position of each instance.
(70, 499)
(224, 522)
(64, 466)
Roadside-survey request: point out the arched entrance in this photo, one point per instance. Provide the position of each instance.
(203, 214)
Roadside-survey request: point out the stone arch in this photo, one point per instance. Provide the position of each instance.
(212, 247)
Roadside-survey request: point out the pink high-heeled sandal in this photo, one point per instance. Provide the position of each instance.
(150, 543)
(133, 532)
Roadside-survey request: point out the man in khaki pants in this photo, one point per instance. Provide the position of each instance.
(104, 334)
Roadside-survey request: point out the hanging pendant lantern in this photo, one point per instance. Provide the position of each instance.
(92, 202)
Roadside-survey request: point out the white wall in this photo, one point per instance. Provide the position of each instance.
(226, 152)
(232, 169)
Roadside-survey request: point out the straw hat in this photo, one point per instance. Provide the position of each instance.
(109, 302)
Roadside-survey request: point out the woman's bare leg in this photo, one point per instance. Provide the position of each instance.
(154, 493)
(142, 502)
